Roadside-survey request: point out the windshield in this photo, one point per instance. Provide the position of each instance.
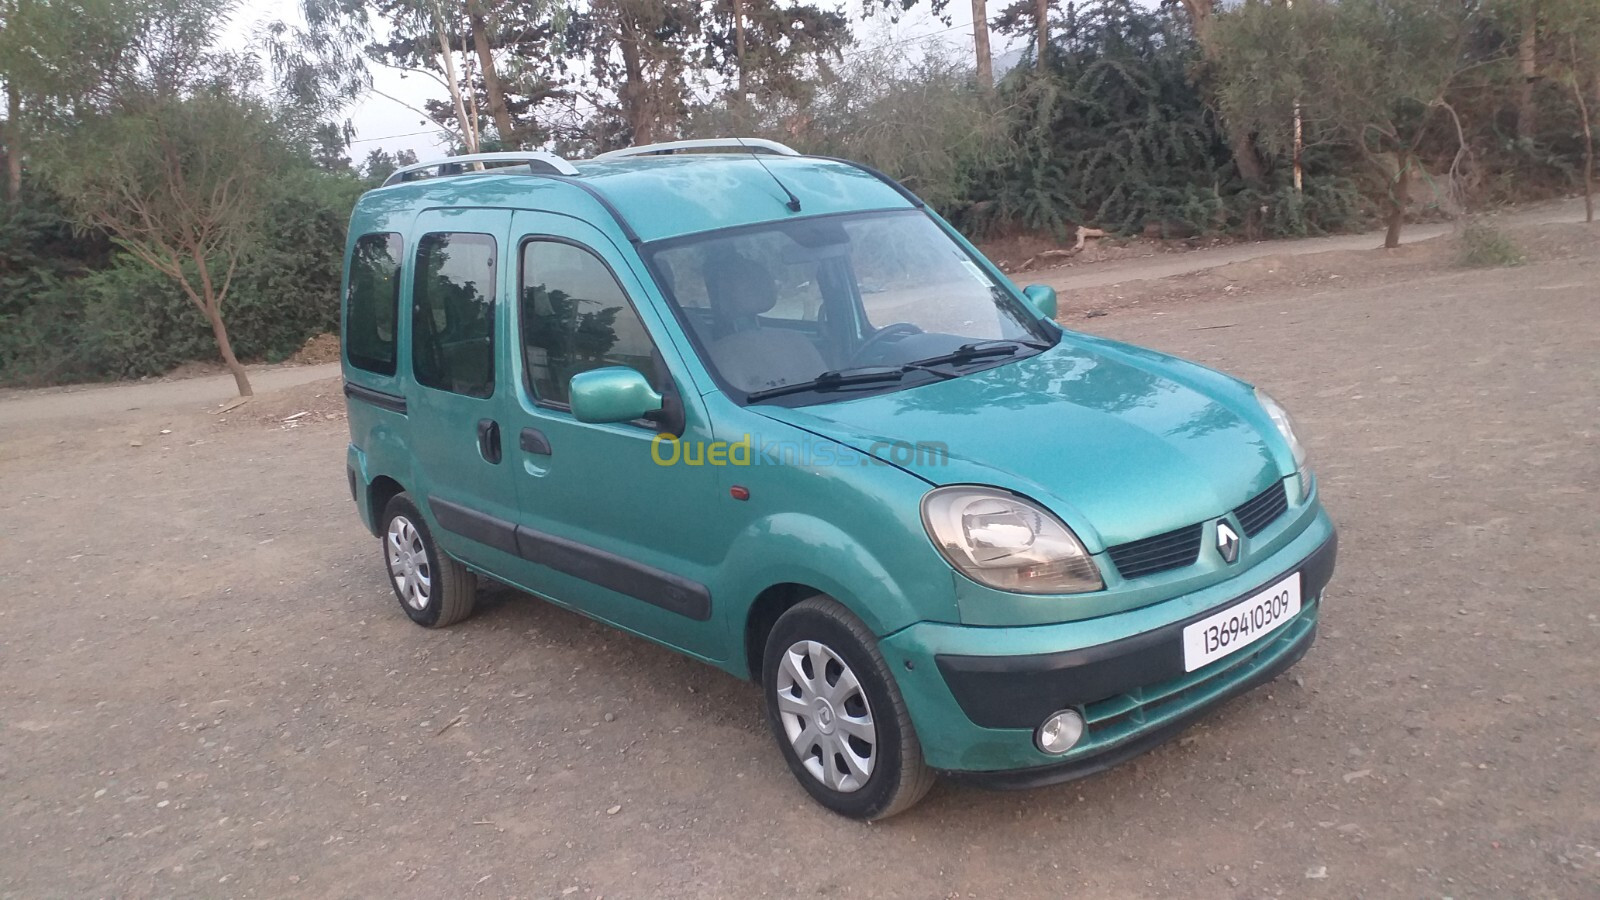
(822, 308)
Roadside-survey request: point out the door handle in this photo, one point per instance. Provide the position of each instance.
(534, 441)
(489, 440)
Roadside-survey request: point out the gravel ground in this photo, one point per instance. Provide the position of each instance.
(206, 688)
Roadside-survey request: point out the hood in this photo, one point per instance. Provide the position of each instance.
(1122, 443)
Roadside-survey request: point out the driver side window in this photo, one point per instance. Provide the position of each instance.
(576, 317)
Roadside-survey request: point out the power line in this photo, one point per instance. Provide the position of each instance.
(390, 137)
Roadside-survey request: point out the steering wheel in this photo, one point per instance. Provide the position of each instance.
(884, 335)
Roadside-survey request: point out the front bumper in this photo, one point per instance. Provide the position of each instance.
(976, 694)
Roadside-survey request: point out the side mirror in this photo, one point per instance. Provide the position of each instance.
(1043, 298)
(612, 394)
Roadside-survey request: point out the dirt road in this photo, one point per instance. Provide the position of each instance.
(99, 400)
(1068, 278)
(206, 688)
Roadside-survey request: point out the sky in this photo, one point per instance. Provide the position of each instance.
(383, 123)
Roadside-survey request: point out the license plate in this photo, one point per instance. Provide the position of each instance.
(1241, 624)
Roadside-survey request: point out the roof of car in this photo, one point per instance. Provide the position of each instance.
(649, 198)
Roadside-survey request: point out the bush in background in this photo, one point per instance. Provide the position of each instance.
(95, 314)
(1480, 245)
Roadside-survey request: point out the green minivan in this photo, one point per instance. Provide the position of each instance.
(771, 411)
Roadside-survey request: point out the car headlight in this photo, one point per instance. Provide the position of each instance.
(1280, 418)
(1008, 542)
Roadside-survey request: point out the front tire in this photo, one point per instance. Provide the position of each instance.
(433, 589)
(837, 714)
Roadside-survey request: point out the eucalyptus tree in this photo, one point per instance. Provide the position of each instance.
(1371, 75)
(59, 58)
(498, 61)
(773, 49)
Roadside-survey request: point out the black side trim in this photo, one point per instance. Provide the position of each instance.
(1019, 691)
(380, 399)
(618, 573)
(1022, 779)
(671, 592)
(474, 525)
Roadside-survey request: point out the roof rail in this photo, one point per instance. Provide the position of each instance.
(538, 162)
(730, 143)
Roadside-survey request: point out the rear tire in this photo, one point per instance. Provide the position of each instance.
(837, 714)
(433, 589)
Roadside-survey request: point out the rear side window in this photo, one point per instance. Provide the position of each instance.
(452, 314)
(372, 303)
(575, 317)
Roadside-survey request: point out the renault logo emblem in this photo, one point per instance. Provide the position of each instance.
(1227, 542)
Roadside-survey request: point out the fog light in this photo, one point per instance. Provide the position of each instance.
(1060, 733)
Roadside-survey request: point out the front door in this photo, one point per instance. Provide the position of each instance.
(609, 529)
(458, 389)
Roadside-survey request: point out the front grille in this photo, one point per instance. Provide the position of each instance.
(1263, 509)
(1172, 550)
(1180, 548)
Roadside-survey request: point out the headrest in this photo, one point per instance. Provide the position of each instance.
(739, 287)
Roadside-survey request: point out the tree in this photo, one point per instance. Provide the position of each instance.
(1527, 68)
(1202, 14)
(177, 183)
(980, 44)
(640, 55)
(498, 60)
(775, 51)
(327, 143)
(54, 55)
(1112, 132)
(1026, 18)
(19, 37)
(1573, 29)
(1372, 75)
(380, 164)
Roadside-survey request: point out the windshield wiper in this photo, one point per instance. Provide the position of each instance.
(844, 378)
(979, 350)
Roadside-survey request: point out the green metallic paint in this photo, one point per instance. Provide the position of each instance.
(592, 487)
(952, 741)
(452, 466)
(1069, 427)
(840, 529)
(668, 196)
(1121, 443)
(1043, 299)
(615, 394)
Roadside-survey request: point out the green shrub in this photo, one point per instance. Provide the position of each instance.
(100, 315)
(1480, 245)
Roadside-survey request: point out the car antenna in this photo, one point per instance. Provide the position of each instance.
(794, 202)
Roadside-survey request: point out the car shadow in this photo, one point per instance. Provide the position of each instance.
(651, 676)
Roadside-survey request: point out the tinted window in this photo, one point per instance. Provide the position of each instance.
(452, 314)
(372, 301)
(575, 317)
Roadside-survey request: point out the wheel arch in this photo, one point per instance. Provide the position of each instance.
(380, 491)
(763, 614)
